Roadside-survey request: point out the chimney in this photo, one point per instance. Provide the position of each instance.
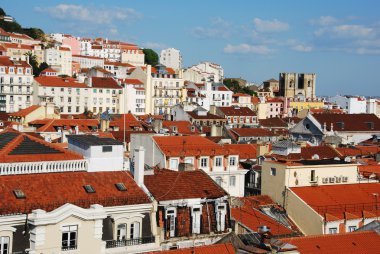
(138, 170)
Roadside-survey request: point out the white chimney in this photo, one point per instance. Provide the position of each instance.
(139, 165)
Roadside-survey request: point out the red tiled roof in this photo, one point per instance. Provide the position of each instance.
(48, 70)
(183, 127)
(24, 112)
(90, 57)
(64, 49)
(245, 151)
(118, 64)
(352, 122)
(241, 95)
(194, 115)
(223, 248)
(49, 191)
(175, 146)
(237, 111)
(5, 61)
(307, 153)
(50, 125)
(222, 88)
(100, 82)
(255, 100)
(126, 122)
(369, 150)
(356, 242)
(167, 184)
(333, 199)
(7, 154)
(273, 122)
(274, 100)
(253, 132)
(130, 81)
(326, 111)
(59, 82)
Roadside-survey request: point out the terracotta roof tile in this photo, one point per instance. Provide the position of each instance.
(237, 111)
(183, 127)
(356, 242)
(167, 184)
(224, 248)
(253, 132)
(351, 122)
(25, 112)
(101, 82)
(59, 82)
(49, 191)
(245, 151)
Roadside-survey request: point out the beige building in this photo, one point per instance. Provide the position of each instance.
(297, 85)
(60, 59)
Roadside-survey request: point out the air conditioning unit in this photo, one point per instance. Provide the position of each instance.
(338, 179)
(332, 179)
(325, 180)
(344, 179)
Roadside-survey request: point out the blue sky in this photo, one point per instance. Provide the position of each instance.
(255, 40)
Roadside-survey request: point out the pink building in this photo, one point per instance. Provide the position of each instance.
(275, 107)
(72, 42)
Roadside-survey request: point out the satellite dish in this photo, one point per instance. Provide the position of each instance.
(347, 159)
(315, 157)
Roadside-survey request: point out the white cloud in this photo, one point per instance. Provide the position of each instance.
(247, 49)
(302, 48)
(98, 15)
(346, 31)
(219, 28)
(270, 25)
(154, 45)
(368, 51)
(324, 21)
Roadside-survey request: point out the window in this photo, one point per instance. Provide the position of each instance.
(219, 180)
(121, 232)
(106, 149)
(204, 162)
(220, 217)
(89, 189)
(173, 163)
(170, 221)
(69, 109)
(218, 162)
(69, 237)
(232, 180)
(189, 160)
(312, 175)
(351, 228)
(232, 161)
(273, 171)
(196, 219)
(134, 230)
(4, 245)
(333, 230)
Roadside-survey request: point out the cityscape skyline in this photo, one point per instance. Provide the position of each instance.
(339, 41)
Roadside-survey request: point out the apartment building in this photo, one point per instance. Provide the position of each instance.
(171, 58)
(60, 59)
(105, 95)
(131, 54)
(236, 116)
(351, 104)
(16, 88)
(69, 95)
(195, 153)
(18, 51)
(204, 71)
(241, 100)
(88, 61)
(133, 100)
(275, 107)
(118, 69)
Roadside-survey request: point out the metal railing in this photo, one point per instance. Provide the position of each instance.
(129, 242)
(74, 247)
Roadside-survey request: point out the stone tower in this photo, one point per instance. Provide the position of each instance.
(297, 85)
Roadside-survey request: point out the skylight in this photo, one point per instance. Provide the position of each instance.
(121, 186)
(19, 194)
(89, 188)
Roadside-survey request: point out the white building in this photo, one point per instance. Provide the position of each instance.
(206, 71)
(218, 94)
(352, 104)
(171, 58)
(120, 70)
(60, 59)
(132, 55)
(88, 61)
(16, 89)
(134, 97)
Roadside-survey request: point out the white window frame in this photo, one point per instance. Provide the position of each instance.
(171, 215)
(232, 159)
(121, 232)
(220, 213)
(189, 160)
(5, 244)
(204, 159)
(134, 230)
(333, 230)
(68, 230)
(232, 181)
(219, 180)
(352, 228)
(172, 160)
(196, 212)
(216, 159)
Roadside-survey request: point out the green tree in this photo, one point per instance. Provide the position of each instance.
(151, 57)
(33, 62)
(42, 67)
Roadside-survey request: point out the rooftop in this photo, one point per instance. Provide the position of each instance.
(252, 132)
(225, 248)
(24, 112)
(91, 140)
(356, 242)
(49, 191)
(102, 82)
(237, 111)
(349, 122)
(59, 82)
(167, 184)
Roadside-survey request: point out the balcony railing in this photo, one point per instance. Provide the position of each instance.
(129, 242)
(73, 247)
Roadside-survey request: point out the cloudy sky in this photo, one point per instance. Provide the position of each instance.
(339, 40)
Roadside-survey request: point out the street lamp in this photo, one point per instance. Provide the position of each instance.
(376, 195)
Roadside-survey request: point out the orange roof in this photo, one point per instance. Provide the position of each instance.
(222, 248)
(167, 184)
(24, 112)
(48, 191)
(130, 81)
(22, 147)
(51, 125)
(252, 132)
(101, 82)
(64, 49)
(129, 121)
(241, 95)
(245, 151)
(175, 146)
(237, 111)
(48, 70)
(118, 64)
(334, 201)
(90, 57)
(183, 127)
(355, 242)
(307, 153)
(59, 82)
(6, 61)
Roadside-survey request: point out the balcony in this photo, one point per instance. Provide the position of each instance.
(65, 248)
(129, 242)
(17, 92)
